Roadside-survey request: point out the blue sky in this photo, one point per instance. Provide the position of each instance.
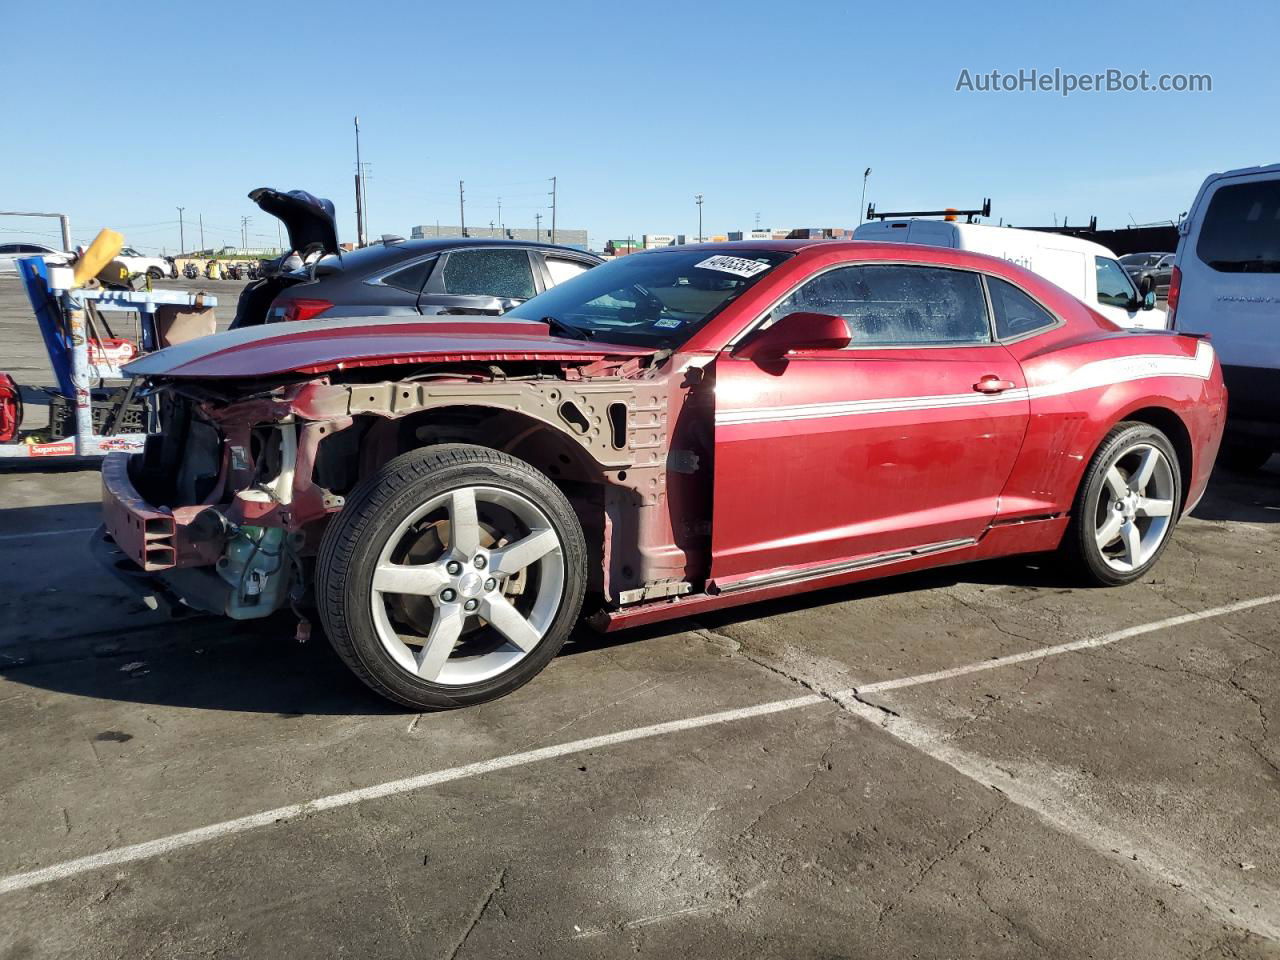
(768, 108)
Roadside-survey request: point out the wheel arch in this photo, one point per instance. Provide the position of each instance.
(1172, 426)
(553, 452)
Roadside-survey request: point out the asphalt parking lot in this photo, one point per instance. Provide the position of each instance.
(982, 761)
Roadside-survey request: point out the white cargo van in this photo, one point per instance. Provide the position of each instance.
(1087, 270)
(1226, 283)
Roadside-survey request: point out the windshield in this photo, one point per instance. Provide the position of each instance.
(649, 299)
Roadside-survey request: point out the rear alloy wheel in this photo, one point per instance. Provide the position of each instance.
(451, 577)
(155, 273)
(1127, 505)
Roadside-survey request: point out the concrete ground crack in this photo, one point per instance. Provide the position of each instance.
(499, 883)
(947, 854)
(835, 696)
(1012, 924)
(992, 620)
(823, 765)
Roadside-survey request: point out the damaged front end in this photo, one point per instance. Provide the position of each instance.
(225, 510)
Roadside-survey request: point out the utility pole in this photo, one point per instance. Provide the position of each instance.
(553, 209)
(360, 226)
(182, 241)
(862, 206)
(202, 231)
(697, 198)
(501, 229)
(462, 210)
(537, 230)
(244, 232)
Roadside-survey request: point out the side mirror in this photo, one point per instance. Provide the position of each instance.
(796, 331)
(1146, 284)
(1149, 300)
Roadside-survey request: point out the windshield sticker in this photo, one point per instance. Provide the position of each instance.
(667, 323)
(738, 266)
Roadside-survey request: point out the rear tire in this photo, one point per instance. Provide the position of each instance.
(1126, 507)
(1244, 459)
(419, 593)
(155, 273)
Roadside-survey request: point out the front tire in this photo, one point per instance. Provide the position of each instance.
(155, 273)
(452, 576)
(1126, 507)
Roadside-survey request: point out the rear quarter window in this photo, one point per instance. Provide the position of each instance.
(1016, 314)
(1241, 229)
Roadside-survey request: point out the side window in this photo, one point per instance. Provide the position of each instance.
(1115, 289)
(562, 270)
(898, 305)
(489, 273)
(1016, 313)
(411, 278)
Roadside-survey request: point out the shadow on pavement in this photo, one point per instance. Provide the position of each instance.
(210, 664)
(1242, 497)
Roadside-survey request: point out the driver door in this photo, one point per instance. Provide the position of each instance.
(901, 442)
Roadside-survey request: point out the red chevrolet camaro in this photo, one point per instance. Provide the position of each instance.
(675, 431)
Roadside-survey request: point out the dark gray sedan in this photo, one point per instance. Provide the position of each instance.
(435, 276)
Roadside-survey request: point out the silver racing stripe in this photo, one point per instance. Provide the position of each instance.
(1089, 376)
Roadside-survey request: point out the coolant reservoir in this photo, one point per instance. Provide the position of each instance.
(256, 565)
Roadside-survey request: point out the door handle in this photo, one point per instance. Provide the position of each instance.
(993, 384)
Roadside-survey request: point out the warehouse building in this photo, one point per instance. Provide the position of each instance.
(564, 236)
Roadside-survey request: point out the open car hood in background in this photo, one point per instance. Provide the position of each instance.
(321, 346)
(308, 219)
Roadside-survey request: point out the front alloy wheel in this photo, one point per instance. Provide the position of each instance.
(469, 582)
(451, 577)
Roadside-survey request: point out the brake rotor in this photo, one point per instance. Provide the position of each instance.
(417, 612)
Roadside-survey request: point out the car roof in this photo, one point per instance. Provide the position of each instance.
(872, 250)
(377, 254)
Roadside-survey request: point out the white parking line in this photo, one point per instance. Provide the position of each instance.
(45, 533)
(177, 841)
(1060, 648)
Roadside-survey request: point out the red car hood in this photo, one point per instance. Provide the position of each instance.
(318, 346)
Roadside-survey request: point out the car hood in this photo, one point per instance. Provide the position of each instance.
(320, 346)
(308, 219)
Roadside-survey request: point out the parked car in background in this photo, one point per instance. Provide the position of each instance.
(440, 276)
(138, 263)
(11, 253)
(1086, 270)
(676, 431)
(1158, 266)
(1226, 283)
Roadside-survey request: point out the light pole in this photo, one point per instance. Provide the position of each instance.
(553, 209)
(862, 206)
(182, 241)
(697, 198)
(360, 223)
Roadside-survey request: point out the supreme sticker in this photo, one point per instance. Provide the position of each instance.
(738, 266)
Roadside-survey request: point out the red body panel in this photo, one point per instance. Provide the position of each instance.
(864, 452)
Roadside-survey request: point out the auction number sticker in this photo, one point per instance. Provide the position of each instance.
(738, 266)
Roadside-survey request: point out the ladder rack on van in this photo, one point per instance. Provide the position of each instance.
(949, 214)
